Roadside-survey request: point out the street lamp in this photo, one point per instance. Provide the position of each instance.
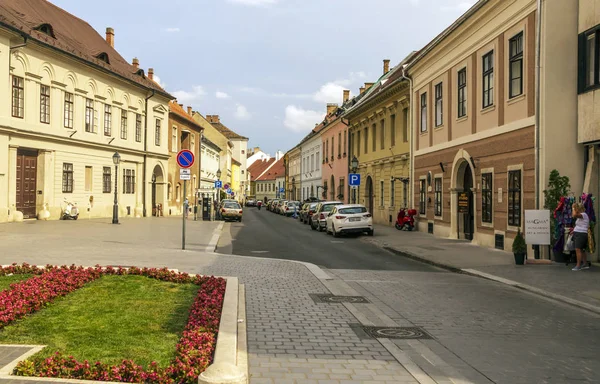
(354, 166)
(116, 160)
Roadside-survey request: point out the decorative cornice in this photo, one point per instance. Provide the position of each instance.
(81, 91)
(54, 82)
(33, 75)
(98, 97)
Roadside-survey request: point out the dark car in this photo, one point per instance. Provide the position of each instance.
(307, 211)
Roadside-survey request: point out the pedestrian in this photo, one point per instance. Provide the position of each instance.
(580, 236)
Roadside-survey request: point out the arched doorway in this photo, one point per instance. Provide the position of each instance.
(466, 209)
(369, 195)
(157, 190)
(332, 188)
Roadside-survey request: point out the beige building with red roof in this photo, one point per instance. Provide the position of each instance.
(74, 102)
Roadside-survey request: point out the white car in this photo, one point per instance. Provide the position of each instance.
(350, 218)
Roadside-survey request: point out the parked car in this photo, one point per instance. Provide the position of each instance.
(251, 203)
(318, 218)
(231, 211)
(279, 205)
(307, 211)
(350, 218)
(271, 204)
(289, 207)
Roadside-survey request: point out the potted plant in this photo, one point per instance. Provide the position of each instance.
(558, 186)
(519, 248)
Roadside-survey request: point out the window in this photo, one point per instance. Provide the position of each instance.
(405, 194)
(157, 133)
(405, 125)
(587, 60)
(18, 97)
(193, 145)
(381, 193)
(106, 180)
(341, 189)
(366, 140)
(422, 196)
(89, 115)
(486, 197)
(138, 127)
(516, 66)
(88, 178)
(44, 104)
(174, 139)
(312, 162)
(358, 143)
(345, 142)
(437, 207)
(326, 150)
(107, 120)
(393, 129)
(382, 134)
(68, 121)
(123, 124)
(339, 145)
(374, 140)
(332, 147)
(67, 178)
(128, 181)
(488, 79)
(317, 161)
(439, 105)
(424, 112)
(392, 192)
(514, 198)
(462, 93)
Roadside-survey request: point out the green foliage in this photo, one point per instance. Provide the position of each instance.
(223, 195)
(519, 245)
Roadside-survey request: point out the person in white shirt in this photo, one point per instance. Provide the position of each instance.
(580, 236)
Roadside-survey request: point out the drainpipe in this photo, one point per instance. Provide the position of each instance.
(146, 151)
(20, 45)
(409, 122)
(538, 49)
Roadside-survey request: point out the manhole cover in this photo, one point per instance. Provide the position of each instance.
(396, 332)
(321, 298)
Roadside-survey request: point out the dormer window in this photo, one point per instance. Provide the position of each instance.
(46, 29)
(103, 56)
(140, 72)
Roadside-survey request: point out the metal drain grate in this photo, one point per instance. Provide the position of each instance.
(396, 332)
(333, 299)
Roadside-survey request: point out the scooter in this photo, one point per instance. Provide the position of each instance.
(259, 205)
(70, 212)
(406, 219)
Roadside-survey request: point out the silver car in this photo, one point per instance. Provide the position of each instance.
(319, 218)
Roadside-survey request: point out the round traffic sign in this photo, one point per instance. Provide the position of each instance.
(185, 158)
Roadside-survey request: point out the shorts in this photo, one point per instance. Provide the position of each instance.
(580, 240)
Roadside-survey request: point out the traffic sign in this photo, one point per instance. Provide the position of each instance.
(229, 191)
(185, 158)
(354, 179)
(281, 190)
(226, 186)
(185, 174)
(218, 184)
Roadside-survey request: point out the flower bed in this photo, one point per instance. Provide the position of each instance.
(194, 351)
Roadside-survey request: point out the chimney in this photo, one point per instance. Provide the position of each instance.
(151, 73)
(135, 62)
(386, 66)
(110, 36)
(331, 108)
(181, 105)
(368, 85)
(346, 95)
(213, 118)
(189, 109)
(362, 90)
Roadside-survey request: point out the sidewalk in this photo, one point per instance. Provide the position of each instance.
(555, 280)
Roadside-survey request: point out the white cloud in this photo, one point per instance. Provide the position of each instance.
(241, 113)
(172, 30)
(189, 96)
(158, 81)
(222, 95)
(254, 3)
(461, 6)
(329, 93)
(301, 120)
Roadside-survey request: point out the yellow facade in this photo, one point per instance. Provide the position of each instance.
(235, 182)
(222, 142)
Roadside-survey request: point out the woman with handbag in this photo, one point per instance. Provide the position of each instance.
(580, 236)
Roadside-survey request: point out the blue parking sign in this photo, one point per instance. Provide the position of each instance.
(281, 190)
(354, 179)
(218, 184)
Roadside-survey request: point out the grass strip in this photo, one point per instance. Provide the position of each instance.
(111, 319)
(6, 281)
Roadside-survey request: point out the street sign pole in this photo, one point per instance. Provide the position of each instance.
(184, 213)
(185, 159)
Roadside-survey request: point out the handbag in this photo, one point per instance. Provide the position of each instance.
(569, 244)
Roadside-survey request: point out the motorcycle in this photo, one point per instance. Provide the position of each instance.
(259, 205)
(70, 212)
(406, 219)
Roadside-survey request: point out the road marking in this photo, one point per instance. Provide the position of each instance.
(260, 251)
(337, 242)
(212, 245)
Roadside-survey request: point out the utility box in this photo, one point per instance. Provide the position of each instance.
(206, 208)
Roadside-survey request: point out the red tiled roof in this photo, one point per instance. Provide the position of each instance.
(215, 121)
(178, 110)
(72, 36)
(258, 167)
(277, 170)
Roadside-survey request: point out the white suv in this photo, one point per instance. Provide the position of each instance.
(351, 218)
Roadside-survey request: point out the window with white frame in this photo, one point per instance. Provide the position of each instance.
(18, 97)
(138, 127)
(107, 120)
(488, 79)
(381, 193)
(44, 104)
(462, 92)
(424, 112)
(515, 86)
(392, 193)
(157, 132)
(174, 139)
(69, 108)
(439, 105)
(486, 197)
(514, 198)
(422, 196)
(124, 124)
(438, 196)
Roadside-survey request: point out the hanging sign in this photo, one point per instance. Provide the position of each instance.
(537, 226)
(464, 202)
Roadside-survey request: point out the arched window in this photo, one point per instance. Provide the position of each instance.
(104, 57)
(46, 29)
(178, 192)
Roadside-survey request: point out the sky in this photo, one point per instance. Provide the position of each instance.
(267, 67)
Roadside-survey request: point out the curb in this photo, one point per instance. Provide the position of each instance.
(487, 276)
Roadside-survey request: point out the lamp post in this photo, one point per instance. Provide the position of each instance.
(218, 190)
(354, 166)
(116, 160)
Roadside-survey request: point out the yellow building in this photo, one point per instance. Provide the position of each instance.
(235, 181)
(216, 137)
(379, 138)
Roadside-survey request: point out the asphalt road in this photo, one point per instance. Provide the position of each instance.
(265, 234)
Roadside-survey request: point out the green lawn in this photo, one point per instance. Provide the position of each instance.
(111, 319)
(6, 281)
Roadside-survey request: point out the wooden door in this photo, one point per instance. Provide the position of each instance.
(26, 183)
